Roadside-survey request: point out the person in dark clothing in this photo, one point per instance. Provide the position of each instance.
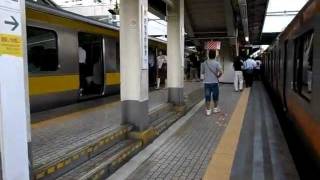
(194, 63)
(249, 66)
(238, 75)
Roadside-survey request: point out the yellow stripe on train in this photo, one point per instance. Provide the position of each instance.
(54, 84)
(112, 78)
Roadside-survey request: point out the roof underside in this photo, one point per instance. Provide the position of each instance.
(213, 18)
(206, 15)
(256, 16)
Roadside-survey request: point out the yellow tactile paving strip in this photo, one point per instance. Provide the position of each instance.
(222, 159)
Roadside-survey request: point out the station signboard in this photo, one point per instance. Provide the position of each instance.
(144, 34)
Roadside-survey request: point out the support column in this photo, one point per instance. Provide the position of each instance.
(134, 62)
(237, 42)
(175, 52)
(14, 96)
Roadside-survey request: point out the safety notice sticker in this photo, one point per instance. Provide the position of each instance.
(10, 33)
(10, 45)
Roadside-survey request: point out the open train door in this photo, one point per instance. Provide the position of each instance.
(91, 66)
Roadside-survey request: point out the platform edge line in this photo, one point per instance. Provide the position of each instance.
(221, 162)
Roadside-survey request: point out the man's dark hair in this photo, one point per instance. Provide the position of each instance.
(212, 54)
(237, 58)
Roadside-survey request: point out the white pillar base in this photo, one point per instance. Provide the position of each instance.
(136, 113)
(176, 96)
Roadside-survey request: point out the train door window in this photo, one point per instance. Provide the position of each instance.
(279, 66)
(285, 60)
(91, 67)
(303, 65)
(279, 62)
(118, 55)
(269, 67)
(272, 66)
(275, 67)
(42, 50)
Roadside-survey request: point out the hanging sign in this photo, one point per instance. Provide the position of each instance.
(213, 45)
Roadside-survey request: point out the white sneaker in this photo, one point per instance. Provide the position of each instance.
(216, 110)
(208, 112)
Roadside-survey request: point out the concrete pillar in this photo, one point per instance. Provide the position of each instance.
(134, 62)
(175, 52)
(14, 101)
(237, 42)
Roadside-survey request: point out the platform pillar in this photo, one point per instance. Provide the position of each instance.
(134, 62)
(14, 94)
(175, 52)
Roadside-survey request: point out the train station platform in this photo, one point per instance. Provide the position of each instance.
(66, 137)
(244, 141)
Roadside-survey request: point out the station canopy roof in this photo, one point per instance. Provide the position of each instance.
(207, 19)
(218, 19)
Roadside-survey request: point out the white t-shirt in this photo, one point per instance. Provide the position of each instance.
(258, 63)
(161, 60)
(82, 55)
(250, 64)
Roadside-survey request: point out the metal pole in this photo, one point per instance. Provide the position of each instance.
(14, 101)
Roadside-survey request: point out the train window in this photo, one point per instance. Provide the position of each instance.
(303, 65)
(42, 50)
(112, 49)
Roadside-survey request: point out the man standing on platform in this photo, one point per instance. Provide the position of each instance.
(194, 67)
(161, 69)
(212, 71)
(257, 70)
(249, 66)
(238, 75)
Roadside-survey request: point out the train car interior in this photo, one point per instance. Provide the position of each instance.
(152, 66)
(91, 70)
(42, 50)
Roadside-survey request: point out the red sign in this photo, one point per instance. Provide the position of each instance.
(213, 45)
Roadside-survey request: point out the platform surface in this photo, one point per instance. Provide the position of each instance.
(262, 151)
(186, 154)
(257, 150)
(55, 136)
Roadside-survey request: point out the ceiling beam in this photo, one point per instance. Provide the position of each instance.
(244, 17)
(229, 16)
(188, 24)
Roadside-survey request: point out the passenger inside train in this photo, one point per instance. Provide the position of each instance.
(91, 72)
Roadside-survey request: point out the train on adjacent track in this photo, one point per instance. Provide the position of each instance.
(72, 57)
(292, 71)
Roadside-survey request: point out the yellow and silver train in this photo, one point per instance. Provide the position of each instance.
(71, 57)
(292, 69)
